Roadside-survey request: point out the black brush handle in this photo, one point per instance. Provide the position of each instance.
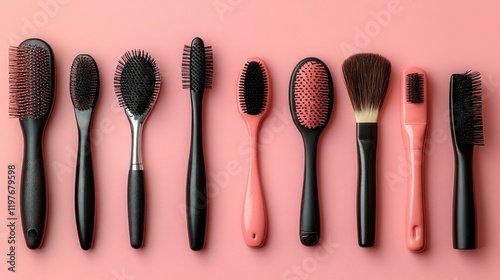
(366, 199)
(136, 207)
(84, 188)
(33, 188)
(464, 210)
(309, 210)
(196, 189)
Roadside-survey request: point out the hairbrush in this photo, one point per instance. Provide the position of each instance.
(253, 104)
(366, 77)
(414, 126)
(137, 84)
(311, 103)
(467, 131)
(84, 90)
(197, 70)
(31, 86)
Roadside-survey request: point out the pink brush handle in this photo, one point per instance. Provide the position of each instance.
(254, 217)
(415, 224)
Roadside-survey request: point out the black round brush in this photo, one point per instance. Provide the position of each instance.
(366, 77)
(311, 103)
(137, 84)
(84, 90)
(31, 86)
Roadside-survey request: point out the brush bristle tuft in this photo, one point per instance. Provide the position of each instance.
(253, 88)
(197, 66)
(312, 94)
(467, 108)
(84, 82)
(137, 82)
(415, 88)
(29, 82)
(366, 76)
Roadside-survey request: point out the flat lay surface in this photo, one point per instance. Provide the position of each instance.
(441, 37)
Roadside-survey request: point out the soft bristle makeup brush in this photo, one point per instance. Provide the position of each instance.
(197, 70)
(366, 77)
(31, 86)
(84, 90)
(414, 125)
(311, 103)
(467, 131)
(253, 103)
(137, 84)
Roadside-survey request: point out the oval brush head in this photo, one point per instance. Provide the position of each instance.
(366, 76)
(84, 82)
(137, 82)
(197, 66)
(311, 94)
(253, 87)
(31, 80)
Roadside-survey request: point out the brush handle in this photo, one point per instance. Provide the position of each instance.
(196, 189)
(84, 182)
(136, 207)
(254, 220)
(33, 189)
(366, 199)
(415, 224)
(464, 213)
(309, 210)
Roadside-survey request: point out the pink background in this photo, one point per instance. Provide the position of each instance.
(442, 37)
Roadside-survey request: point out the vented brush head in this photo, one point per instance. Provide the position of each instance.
(137, 82)
(31, 80)
(466, 108)
(311, 94)
(253, 87)
(415, 88)
(197, 66)
(84, 82)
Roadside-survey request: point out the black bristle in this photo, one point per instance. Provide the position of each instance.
(253, 88)
(366, 76)
(467, 108)
(312, 93)
(197, 66)
(415, 88)
(84, 82)
(29, 82)
(137, 82)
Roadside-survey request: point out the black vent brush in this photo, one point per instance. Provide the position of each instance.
(31, 86)
(467, 131)
(84, 90)
(197, 70)
(137, 84)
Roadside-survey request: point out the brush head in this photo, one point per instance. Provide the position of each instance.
(31, 80)
(84, 82)
(466, 108)
(197, 66)
(253, 87)
(415, 88)
(366, 76)
(137, 82)
(311, 94)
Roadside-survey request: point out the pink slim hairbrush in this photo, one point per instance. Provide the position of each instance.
(253, 104)
(414, 125)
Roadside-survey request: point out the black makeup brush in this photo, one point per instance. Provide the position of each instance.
(366, 77)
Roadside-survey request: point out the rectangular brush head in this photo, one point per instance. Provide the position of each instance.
(414, 96)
